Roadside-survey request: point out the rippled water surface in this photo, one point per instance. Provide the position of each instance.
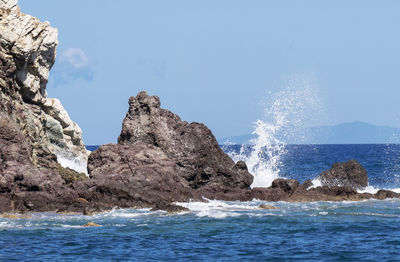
(224, 231)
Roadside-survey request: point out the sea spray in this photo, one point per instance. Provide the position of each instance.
(287, 115)
(77, 163)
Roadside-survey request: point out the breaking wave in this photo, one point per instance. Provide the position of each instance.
(286, 118)
(79, 164)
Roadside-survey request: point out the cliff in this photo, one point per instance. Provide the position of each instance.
(27, 53)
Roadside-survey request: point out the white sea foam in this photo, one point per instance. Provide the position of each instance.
(374, 190)
(316, 183)
(285, 119)
(222, 209)
(79, 164)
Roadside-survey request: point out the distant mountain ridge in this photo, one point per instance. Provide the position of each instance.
(347, 133)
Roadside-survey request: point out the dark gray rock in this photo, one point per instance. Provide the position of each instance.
(350, 173)
(191, 146)
(307, 184)
(138, 172)
(161, 159)
(383, 194)
(287, 185)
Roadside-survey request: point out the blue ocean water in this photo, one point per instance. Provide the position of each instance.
(230, 231)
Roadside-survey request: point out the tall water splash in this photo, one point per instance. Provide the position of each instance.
(288, 113)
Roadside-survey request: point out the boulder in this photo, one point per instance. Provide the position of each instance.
(287, 185)
(383, 194)
(350, 173)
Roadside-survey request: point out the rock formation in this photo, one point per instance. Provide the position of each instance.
(161, 153)
(27, 53)
(349, 173)
(35, 131)
(159, 159)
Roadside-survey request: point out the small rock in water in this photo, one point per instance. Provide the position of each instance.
(170, 208)
(350, 173)
(267, 207)
(91, 224)
(14, 216)
(383, 194)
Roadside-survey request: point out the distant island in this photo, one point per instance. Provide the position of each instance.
(347, 133)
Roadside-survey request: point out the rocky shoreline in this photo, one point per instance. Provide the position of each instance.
(158, 160)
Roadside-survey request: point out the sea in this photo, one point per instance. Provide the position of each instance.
(231, 231)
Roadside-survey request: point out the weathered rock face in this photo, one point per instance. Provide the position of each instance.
(191, 146)
(350, 173)
(147, 173)
(167, 158)
(27, 53)
(23, 186)
(287, 185)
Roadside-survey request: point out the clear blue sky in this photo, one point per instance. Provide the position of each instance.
(213, 61)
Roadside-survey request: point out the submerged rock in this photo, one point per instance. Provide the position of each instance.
(91, 224)
(170, 208)
(268, 207)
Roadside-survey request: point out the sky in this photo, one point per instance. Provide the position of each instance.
(217, 62)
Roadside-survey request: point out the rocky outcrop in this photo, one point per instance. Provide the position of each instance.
(350, 173)
(23, 186)
(35, 131)
(27, 53)
(159, 159)
(167, 159)
(191, 146)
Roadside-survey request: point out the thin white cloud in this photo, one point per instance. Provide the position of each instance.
(76, 57)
